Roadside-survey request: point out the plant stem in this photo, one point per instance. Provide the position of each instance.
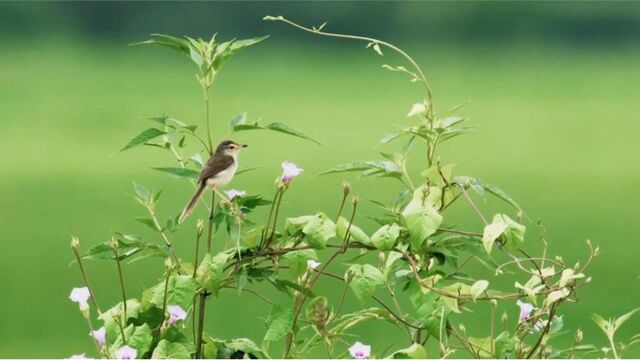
(121, 278)
(205, 90)
(166, 292)
(86, 279)
(203, 294)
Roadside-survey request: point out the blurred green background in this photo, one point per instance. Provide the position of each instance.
(552, 87)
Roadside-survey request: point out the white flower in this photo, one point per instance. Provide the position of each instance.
(360, 351)
(525, 310)
(100, 335)
(126, 353)
(289, 171)
(417, 109)
(312, 264)
(233, 193)
(176, 313)
(78, 356)
(80, 296)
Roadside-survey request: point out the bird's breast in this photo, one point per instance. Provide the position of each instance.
(223, 177)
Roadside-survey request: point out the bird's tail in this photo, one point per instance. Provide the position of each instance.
(192, 204)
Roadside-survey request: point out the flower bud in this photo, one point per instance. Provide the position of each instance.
(168, 264)
(75, 242)
(114, 243)
(463, 329)
(200, 227)
(579, 336)
(355, 200)
(346, 188)
(494, 303)
(504, 318)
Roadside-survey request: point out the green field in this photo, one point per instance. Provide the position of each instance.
(557, 129)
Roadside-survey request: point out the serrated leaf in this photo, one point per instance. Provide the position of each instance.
(143, 137)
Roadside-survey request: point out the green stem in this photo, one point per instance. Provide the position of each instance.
(121, 278)
(85, 279)
(207, 116)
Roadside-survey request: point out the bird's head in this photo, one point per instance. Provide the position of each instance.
(230, 148)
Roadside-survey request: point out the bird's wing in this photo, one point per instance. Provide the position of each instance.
(215, 165)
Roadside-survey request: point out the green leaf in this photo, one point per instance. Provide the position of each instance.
(169, 350)
(278, 323)
(415, 351)
(146, 221)
(180, 291)
(511, 231)
(365, 279)
(116, 312)
(129, 246)
(182, 173)
(242, 123)
(138, 337)
(297, 260)
(357, 234)
(143, 137)
(210, 271)
(368, 168)
(478, 288)
(317, 229)
(481, 346)
(491, 233)
(622, 319)
(142, 192)
(386, 237)
(421, 217)
(286, 129)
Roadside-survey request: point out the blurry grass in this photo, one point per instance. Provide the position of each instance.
(557, 130)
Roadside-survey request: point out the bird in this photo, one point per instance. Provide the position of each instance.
(218, 172)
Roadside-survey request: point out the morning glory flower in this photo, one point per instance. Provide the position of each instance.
(360, 351)
(312, 264)
(100, 335)
(233, 193)
(176, 313)
(78, 356)
(289, 171)
(126, 353)
(80, 296)
(525, 310)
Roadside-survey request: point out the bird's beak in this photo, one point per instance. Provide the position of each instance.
(244, 145)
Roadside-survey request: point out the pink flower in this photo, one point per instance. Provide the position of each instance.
(100, 335)
(126, 353)
(289, 171)
(525, 310)
(80, 296)
(176, 313)
(360, 351)
(233, 193)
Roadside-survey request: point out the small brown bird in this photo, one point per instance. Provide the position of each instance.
(218, 171)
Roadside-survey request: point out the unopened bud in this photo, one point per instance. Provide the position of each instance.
(579, 336)
(504, 318)
(494, 303)
(114, 242)
(587, 280)
(200, 227)
(168, 263)
(463, 328)
(75, 242)
(355, 200)
(559, 259)
(346, 188)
